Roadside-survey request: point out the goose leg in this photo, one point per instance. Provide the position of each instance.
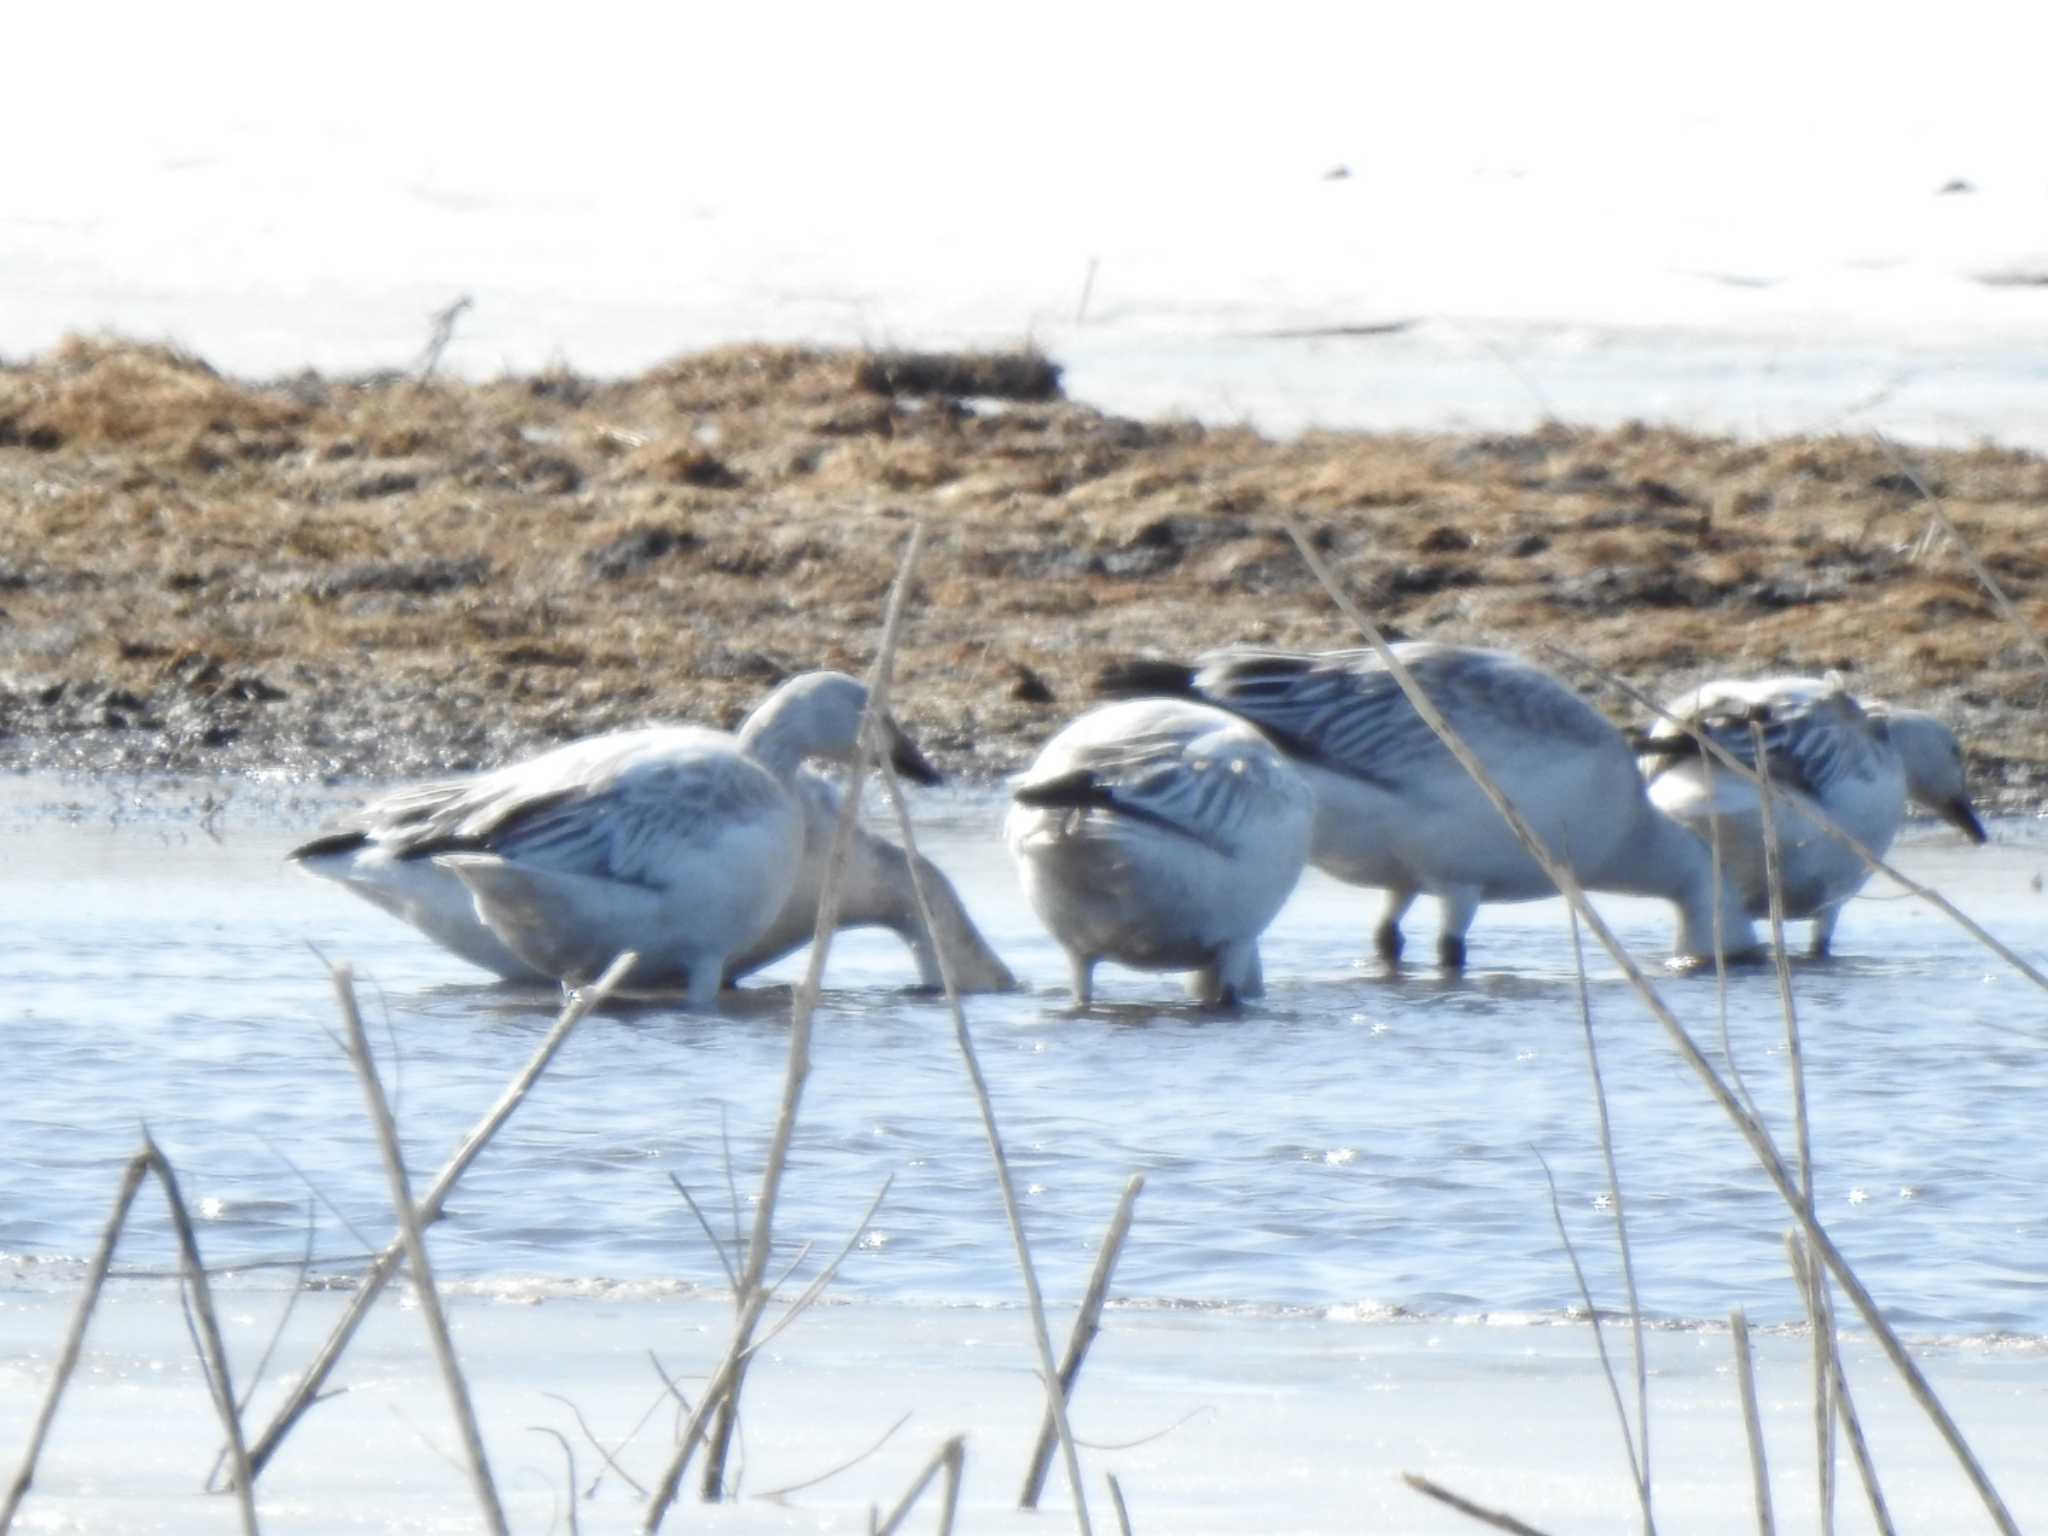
(1387, 937)
(1458, 906)
(707, 975)
(1823, 933)
(1230, 978)
(1083, 968)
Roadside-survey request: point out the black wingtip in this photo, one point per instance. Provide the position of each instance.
(326, 844)
(1078, 790)
(1143, 678)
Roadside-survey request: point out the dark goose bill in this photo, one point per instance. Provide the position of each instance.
(906, 759)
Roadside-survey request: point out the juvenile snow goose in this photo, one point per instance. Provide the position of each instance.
(1163, 835)
(685, 844)
(1395, 810)
(1830, 756)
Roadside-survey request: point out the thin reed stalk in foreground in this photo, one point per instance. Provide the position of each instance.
(307, 1391)
(213, 1355)
(1087, 1323)
(1795, 1066)
(213, 1351)
(1752, 1421)
(1813, 1285)
(1116, 1498)
(1628, 1441)
(722, 1392)
(416, 1255)
(950, 1458)
(1823, 1385)
(1498, 1519)
(1013, 1211)
(1812, 811)
(1628, 1267)
(1751, 1128)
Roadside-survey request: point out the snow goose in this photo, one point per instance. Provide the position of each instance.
(1831, 757)
(681, 843)
(1394, 809)
(1163, 835)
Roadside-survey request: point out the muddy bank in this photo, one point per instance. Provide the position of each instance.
(374, 578)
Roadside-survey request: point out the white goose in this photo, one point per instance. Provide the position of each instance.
(1830, 757)
(681, 843)
(1163, 835)
(1394, 809)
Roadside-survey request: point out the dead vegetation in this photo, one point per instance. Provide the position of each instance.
(381, 576)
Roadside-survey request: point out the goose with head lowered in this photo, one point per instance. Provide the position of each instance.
(1163, 835)
(1395, 810)
(1830, 757)
(700, 850)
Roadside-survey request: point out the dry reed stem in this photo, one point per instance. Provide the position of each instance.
(1814, 1286)
(609, 1456)
(775, 1495)
(752, 1297)
(132, 1175)
(569, 1455)
(385, 1264)
(416, 1255)
(1721, 755)
(1571, 1253)
(213, 1352)
(1823, 1386)
(1498, 1519)
(1628, 1267)
(816, 1288)
(717, 1247)
(1751, 1128)
(1795, 1064)
(1013, 1212)
(1823, 1424)
(139, 1167)
(1116, 1498)
(951, 1456)
(1087, 1324)
(1752, 1421)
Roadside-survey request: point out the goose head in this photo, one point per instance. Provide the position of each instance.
(1933, 763)
(818, 715)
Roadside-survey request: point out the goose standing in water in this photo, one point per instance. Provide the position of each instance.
(1163, 835)
(1395, 810)
(1830, 757)
(688, 845)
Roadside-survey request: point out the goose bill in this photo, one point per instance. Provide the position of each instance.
(1961, 815)
(907, 760)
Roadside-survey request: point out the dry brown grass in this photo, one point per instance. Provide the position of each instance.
(378, 577)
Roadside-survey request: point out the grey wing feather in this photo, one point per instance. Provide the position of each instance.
(1810, 745)
(1345, 712)
(1152, 775)
(635, 828)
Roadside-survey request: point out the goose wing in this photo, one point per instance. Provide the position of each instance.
(1209, 788)
(1814, 741)
(1343, 711)
(638, 826)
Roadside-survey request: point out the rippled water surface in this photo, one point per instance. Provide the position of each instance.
(1354, 1139)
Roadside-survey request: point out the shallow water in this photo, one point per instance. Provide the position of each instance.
(1355, 1141)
